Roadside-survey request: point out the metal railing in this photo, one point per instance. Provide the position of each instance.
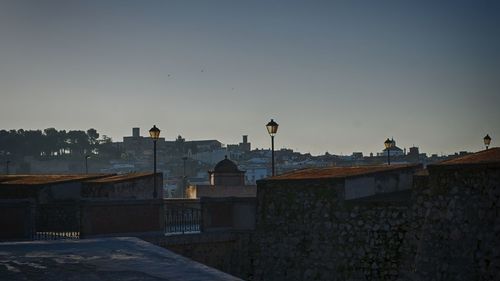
(182, 216)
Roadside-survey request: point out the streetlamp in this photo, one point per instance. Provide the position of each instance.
(272, 129)
(87, 164)
(184, 160)
(388, 145)
(155, 135)
(487, 141)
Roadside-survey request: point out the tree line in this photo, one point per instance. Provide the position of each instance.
(52, 143)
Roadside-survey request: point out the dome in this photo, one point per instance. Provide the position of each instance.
(226, 166)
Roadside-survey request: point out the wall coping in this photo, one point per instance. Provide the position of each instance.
(339, 173)
(231, 199)
(16, 202)
(105, 202)
(471, 166)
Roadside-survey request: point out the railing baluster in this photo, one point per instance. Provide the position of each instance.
(56, 221)
(181, 217)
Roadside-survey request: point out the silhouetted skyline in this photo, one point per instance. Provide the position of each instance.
(338, 76)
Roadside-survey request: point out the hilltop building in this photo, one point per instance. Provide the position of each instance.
(139, 146)
(236, 151)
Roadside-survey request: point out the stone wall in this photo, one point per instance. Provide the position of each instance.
(228, 214)
(124, 218)
(447, 227)
(17, 219)
(307, 231)
(455, 225)
(226, 251)
(126, 187)
(225, 191)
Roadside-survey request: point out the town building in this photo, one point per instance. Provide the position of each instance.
(394, 150)
(226, 180)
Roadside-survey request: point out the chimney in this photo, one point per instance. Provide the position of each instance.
(135, 132)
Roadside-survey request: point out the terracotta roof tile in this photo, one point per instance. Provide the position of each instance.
(118, 178)
(491, 155)
(338, 172)
(5, 178)
(49, 179)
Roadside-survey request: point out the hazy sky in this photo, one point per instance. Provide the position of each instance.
(338, 76)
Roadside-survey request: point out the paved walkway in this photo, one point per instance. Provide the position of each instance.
(107, 259)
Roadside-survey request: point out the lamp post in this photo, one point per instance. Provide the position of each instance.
(487, 141)
(272, 129)
(7, 167)
(388, 145)
(155, 135)
(184, 164)
(87, 164)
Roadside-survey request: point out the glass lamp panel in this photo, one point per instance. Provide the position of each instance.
(272, 127)
(393, 143)
(487, 140)
(154, 133)
(388, 143)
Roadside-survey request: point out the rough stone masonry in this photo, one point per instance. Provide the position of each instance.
(447, 227)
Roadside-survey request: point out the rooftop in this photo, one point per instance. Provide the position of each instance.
(99, 259)
(487, 156)
(5, 178)
(119, 178)
(338, 172)
(226, 166)
(48, 179)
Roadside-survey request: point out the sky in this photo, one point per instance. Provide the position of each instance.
(337, 76)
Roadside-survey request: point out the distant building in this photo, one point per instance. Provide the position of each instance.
(255, 173)
(357, 155)
(226, 180)
(226, 173)
(236, 151)
(209, 157)
(140, 147)
(413, 155)
(394, 151)
(199, 146)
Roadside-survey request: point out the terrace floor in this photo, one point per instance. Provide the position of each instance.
(123, 259)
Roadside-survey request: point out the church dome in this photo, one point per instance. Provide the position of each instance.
(226, 166)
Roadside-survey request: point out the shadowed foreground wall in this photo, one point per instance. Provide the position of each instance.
(16, 219)
(125, 216)
(446, 228)
(226, 251)
(306, 231)
(455, 231)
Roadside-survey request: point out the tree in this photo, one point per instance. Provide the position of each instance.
(78, 142)
(51, 142)
(93, 137)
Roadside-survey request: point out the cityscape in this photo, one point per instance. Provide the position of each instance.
(282, 140)
(183, 163)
